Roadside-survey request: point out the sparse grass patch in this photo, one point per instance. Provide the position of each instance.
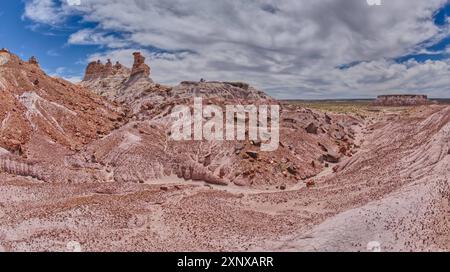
(360, 107)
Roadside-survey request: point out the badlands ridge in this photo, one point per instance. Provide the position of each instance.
(93, 164)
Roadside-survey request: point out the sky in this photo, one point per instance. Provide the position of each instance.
(291, 49)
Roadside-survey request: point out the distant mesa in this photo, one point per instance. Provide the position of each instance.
(240, 85)
(400, 100)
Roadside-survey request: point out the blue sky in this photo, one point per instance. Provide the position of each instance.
(291, 49)
(49, 43)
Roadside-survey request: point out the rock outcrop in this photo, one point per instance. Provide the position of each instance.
(116, 82)
(139, 66)
(4, 57)
(22, 168)
(33, 60)
(98, 70)
(401, 100)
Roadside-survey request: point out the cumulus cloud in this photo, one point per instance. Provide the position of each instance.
(47, 11)
(291, 48)
(65, 73)
(93, 37)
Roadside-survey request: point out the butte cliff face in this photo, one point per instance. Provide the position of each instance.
(97, 70)
(117, 82)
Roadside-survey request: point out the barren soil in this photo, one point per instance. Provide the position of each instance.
(394, 190)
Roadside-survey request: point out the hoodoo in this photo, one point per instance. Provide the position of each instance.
(139, 65)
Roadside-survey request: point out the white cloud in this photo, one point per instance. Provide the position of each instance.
(52, 53)
(74, 2)
(43, 11)
(288, 47)
(65, 73)
(93, 37)
(73, 79)
(60, 70)
(50, 12)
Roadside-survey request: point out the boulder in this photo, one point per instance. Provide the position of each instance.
(323, 147)
(331, 157)
(33, 60)
(310, 183)
(241, 182)
(292, 170)
(252, 154)
(327, 119)
(312, 128)
(256, 143)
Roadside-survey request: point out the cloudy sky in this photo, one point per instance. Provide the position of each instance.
(304, 49)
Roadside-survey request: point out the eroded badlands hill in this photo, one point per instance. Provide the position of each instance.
(96, 168)
(45, 119)
(142, 151)
(33, 104)
(55, 131)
